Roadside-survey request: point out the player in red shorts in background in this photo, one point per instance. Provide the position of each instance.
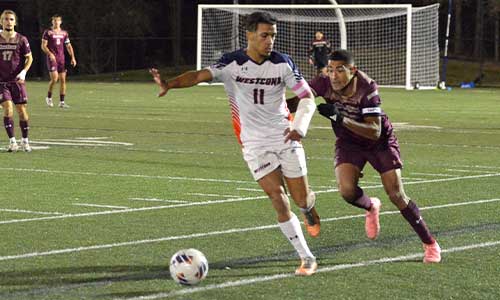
(53, 42)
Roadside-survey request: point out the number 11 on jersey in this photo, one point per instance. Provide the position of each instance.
(258, 96)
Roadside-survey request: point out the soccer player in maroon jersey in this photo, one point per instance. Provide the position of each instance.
(365, 134)
(53, 42)
(15, 61)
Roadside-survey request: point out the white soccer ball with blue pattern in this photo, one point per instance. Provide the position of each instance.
(188, 267)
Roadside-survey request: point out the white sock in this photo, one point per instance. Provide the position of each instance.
(293, 233)
(13, 140)
(24, 140)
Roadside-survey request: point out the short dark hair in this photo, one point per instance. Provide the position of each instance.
(255, 18)
(343, 55)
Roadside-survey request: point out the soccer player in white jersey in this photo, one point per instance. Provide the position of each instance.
(255, 80)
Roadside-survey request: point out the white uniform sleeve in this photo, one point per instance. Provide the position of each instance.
(294, 80)
(219, 70)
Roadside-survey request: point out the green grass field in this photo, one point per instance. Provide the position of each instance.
(120, 181)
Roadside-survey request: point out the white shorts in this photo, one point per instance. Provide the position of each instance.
(291, 159)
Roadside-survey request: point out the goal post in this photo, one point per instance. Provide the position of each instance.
(396, 44)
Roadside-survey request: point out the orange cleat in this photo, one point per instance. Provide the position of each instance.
(372, 224)
(432, 253)
(312, 222)
(308, 267)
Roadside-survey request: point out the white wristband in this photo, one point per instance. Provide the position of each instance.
(21, 75)
(303, 116)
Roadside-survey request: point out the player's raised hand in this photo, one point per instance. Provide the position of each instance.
(162, 83)
(292, 135)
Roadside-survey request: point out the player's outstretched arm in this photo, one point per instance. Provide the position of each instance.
(187, 79)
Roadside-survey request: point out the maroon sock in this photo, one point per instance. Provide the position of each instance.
(9, 126)
(362, 200)
(412, 214)
(61, 97)
(49, 94)
(24, 128)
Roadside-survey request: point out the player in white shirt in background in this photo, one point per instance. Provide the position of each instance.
(255, 80)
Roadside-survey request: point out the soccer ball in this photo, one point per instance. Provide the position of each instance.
(188, 267)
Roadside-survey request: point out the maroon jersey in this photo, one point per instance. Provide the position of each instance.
(362, 100)
(12, 56)
(56, 41)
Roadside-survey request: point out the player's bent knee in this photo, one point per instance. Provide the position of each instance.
(348, 193)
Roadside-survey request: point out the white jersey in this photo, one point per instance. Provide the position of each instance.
(257, 95)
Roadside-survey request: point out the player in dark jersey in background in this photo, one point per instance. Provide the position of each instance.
(53, 42)
(15, 61)
(365, 134)
(319, 51)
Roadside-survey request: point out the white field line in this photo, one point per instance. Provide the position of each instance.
(432, 174)
(413, 178)
(214, 233)
(84, 141)
(212, 195)
(129, 175)
(30, 211)
(469, 171)
(249, 189)
(331, 268)
(93, 138)
(223, 201)
(67, 144)
(158, 200)
(99, 205)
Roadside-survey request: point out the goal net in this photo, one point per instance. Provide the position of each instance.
(397, 45)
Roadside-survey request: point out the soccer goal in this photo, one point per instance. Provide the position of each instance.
(397, 45)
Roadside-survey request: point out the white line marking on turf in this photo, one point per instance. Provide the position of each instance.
(158, 200)
(98, 205)
(250, 190)
(470, 171)
(86, 141)
(212, 195)
(331, 268)
(432, 174)
(67, 144)
(93, 138)
(30, 211)
(214, 233)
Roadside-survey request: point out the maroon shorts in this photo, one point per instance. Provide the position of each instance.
(13, 91)
(382, 159)
(56, 66)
